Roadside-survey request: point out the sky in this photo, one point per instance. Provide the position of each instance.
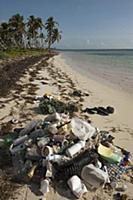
(85, 24)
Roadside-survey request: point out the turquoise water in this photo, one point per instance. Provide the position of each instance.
(114, 67)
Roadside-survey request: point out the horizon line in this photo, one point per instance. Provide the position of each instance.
(76, 49)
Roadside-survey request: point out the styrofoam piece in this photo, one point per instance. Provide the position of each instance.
(82, 129)
(76, 186)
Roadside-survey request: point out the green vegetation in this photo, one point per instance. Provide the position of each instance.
(12, 53)
(20, 37)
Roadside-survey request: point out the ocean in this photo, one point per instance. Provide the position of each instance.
(112, 67)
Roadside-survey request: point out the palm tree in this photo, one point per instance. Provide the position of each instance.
(42, 37)
(52, 31)
(34, 24)
(17, 33)
(17, 27)
(56, 35)
(5, 37)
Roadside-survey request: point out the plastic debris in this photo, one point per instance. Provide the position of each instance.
(49, 105)
(82, 129)
(109, 154)
(75, 148)
(100, 110)
(76, 186)
(46, 151)
(94, 177)
(64, 148)
(44, 186)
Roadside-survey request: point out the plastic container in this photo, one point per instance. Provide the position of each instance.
(55, 158)
(75, 148)
(94, 177)
(47, 150)
(82, 130)
(109, 155)
(76, 186)
(44, 186)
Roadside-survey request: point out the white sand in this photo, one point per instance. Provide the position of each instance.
(100, 95)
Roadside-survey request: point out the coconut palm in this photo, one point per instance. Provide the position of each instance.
(52, 31)
(34, 24)
(17, 28)
(56, 35)
(17, 33)
(5, 39)
(42, 40)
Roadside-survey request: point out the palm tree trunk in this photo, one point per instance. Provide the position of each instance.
(49, 45)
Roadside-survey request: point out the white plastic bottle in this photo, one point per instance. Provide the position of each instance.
(75, 148)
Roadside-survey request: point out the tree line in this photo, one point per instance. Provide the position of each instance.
(33, 33)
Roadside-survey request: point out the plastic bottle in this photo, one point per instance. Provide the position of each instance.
(20, 140)
(30, 127)
(75, 148)
(18, 148)
(55, 158)
(44, 186)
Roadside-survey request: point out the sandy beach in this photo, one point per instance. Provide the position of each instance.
(103, 95)
(56, 77)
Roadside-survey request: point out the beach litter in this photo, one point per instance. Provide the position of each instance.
(105, 111)
(48, 105)
(76, 186)
(62, 148)
(79, 93)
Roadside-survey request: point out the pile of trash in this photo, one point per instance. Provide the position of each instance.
(48, 105)
(71, 150)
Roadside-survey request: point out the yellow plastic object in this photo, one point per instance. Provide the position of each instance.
(47, 94)
(31, 172)
(108, 154)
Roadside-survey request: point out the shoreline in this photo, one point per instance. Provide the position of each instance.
(103, 95)
(102, 74)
